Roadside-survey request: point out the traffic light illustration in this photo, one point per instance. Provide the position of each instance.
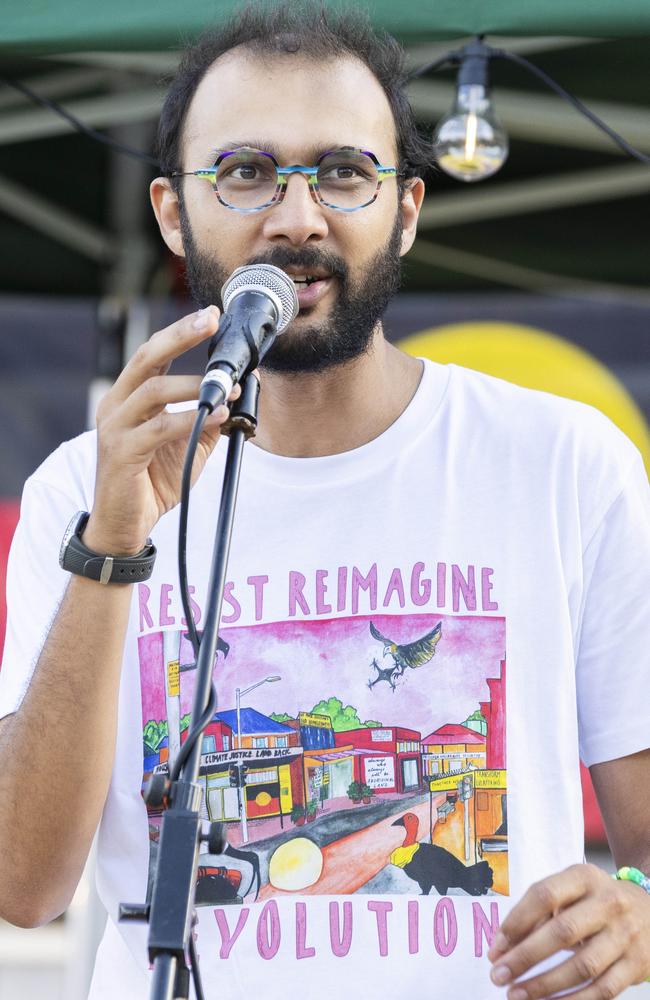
(237, 775)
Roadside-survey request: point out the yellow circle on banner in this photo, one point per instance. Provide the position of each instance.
(262, 799)
(295, 865)
(538, 360)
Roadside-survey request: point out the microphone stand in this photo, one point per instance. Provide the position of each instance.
(170, 914)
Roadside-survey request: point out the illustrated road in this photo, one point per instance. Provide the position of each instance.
(354, 859)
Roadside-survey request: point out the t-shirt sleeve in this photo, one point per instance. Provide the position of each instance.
(613, 662)
(35, 584)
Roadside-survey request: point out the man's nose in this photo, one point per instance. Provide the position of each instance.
(298, 218)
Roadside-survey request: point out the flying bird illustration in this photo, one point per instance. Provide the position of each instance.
(412, 654)
(433, 866)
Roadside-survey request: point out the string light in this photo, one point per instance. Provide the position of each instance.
(470, 143)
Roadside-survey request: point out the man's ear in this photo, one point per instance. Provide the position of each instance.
(410, 205)
(164, 201)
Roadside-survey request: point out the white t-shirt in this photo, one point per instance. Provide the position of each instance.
(439, 624)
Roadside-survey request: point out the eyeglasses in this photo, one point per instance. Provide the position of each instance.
(248, 180)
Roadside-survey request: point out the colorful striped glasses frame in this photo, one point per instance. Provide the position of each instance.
(283, 174)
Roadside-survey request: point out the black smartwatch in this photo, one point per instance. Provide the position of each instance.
(75, 557)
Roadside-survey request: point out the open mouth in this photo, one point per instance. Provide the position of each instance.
(311, 286)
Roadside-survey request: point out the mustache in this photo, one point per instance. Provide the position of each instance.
(304, 258)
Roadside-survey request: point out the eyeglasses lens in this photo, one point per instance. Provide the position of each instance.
(347, 179)
(248, 179)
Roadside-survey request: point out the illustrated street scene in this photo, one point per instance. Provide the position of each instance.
(316, 796)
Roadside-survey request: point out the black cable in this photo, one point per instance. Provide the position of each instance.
(45, 102)
(451, 58)
(196, 730)
(186, 485)
(575, 101)
(196, 971)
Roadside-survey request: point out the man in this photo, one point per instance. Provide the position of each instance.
(403, 530)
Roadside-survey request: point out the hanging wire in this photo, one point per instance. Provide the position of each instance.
(78, 125)
(450, 59)
(572, 99)
(456, 57)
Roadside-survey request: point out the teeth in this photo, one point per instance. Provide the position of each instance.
(305, 280)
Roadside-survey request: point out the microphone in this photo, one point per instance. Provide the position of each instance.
(259, 302)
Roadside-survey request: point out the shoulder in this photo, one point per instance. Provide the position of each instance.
(546, 437)
(523, 416)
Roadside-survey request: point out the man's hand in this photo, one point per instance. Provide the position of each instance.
(606, 923)
(141, 445)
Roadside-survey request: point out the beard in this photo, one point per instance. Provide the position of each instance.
(346, 333)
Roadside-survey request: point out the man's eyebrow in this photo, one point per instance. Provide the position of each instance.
(311, 154)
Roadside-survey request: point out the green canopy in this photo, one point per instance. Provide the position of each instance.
(39, 27)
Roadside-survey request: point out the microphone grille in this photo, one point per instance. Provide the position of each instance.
(264, 276)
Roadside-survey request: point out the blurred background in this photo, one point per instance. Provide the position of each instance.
(538, 274)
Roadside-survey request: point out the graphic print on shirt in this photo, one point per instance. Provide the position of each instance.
(348, 755)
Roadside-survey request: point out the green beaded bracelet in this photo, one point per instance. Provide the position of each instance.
(634, 875)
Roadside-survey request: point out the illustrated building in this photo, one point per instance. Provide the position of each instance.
(460, 762)
(386, 758)
(452, 748)
(273, 758)
(329, 768)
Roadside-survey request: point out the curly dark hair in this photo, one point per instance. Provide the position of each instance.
(308, 28)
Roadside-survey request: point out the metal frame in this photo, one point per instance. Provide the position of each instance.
(525, 115)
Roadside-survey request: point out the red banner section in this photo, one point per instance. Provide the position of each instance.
(8, 520)
(594, 830)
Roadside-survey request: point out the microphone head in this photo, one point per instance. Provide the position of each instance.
(260, 278)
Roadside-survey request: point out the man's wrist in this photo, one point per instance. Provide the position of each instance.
(629, 874)
(100, 542)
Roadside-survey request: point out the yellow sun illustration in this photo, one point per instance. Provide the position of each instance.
(295, 865)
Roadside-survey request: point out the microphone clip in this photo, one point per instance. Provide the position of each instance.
(243, 412)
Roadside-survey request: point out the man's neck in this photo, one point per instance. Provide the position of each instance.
(326, 413)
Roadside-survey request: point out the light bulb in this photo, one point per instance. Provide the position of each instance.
(470, 143)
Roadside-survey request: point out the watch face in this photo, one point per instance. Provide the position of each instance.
(75, 524)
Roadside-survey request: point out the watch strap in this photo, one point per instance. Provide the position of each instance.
(105, 568)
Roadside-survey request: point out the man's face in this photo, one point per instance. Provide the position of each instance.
(296, 110)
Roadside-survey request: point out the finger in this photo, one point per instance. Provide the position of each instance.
(590, 961)
(540, 902)
(566, 930)
(166, 427)
(609, 984)
(155, 356)
(152, 397)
